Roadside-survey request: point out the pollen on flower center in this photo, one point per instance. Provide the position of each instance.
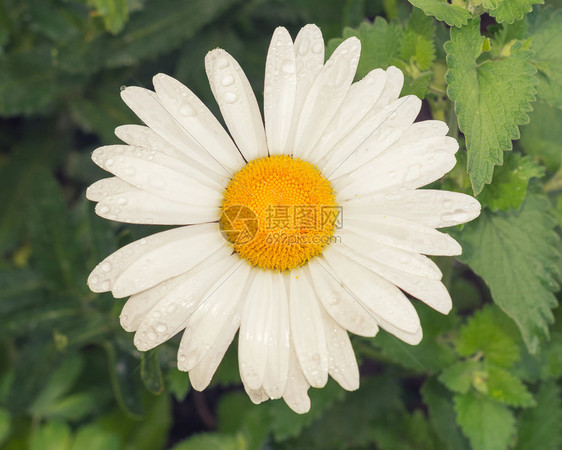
(278, 212)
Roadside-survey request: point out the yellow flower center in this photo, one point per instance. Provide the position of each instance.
(278, 212)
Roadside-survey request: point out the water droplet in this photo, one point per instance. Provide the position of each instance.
(230, 97)
(288, 67)
(227, 81)
(318, 47)
(392, 174)
(161, 328)
(182, 357)
(151, 335)
(106, 285)
(222, 63)
(447, 204)
(303, 47)
(94, 279)
(106, 267)
(171, 308)
(187, 110)
(109, 162)
(122, 201)
(104, 210)
(122, 88)
(124, 317)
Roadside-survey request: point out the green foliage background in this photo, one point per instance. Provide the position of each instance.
(487, 376)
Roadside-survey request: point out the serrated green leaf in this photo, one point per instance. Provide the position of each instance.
(543, 135)
(94, 437)
(539, 427)
(417, 40)
(442, 415)
(458, 377)
(510, 183)
(452, 15)
(151, 373)
(487, 424)
(507, 388)
(115, 14)
(51, 436)
(517, 253)
(491, 99)
(545, 366)
(546, 34)
(511, 10)
(490, 332)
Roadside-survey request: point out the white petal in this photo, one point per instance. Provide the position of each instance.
(404, 234)
(171, 314)
(160, 174)
(255, 330)
(146, 105)
(137, 206)
(309, 52)
(359, 100)
(201, 375)
(144, 137)
(219, 309)
(257, 396)
(342, 363)
(146, 262)
(429, 207)
(366, 126)
(373, 137)
(430, 291)
(279, 91)
(107, 187)
(339, 304)
(384, 300)
(307, 329)
(401, 167)
(137, 306)
(326, 95)
(237, 103)
(401, 260)
(296, 391)
(277, 367)
(198, 122)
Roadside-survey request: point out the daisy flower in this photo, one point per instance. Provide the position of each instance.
(290, 234)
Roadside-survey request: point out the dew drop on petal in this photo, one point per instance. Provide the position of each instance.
(318, 47)
(187, 110)
(447, 204)
(106, 285)
(288, 67)
(122, 88)
(161, 328)
(222, 63)
(104, 210)
(227, 81)
(106, 267)
(230, 97)
(94, 279)
(109, 162)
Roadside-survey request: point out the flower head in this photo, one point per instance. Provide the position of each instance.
(291, 234)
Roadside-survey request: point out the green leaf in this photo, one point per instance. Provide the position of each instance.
(539, 427)
(452, 15)
(212, 441)
(154, 430)
(459, 377)
(517, 253)
(546, 34)
(151, 373)
(442, 415)
(490, 332)
(5, 424)
(178, 384)
(543, 135)
(51, 436)
(491, 98)
(487, 424)
(123, 369)
(417, 40)
(27, 82)
(511, 10)
(114, 12)
(510, 183)
(94, 437)
(507, 388)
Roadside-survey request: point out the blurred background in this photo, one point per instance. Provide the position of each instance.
(70, 377)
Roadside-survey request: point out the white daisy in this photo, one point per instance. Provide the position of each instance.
(259, 251)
